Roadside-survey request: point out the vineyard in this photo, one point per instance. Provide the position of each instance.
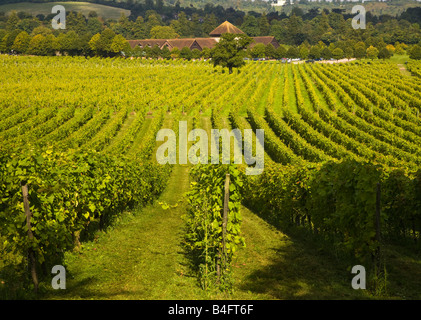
(342, 146)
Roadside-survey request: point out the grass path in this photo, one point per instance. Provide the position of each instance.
(142, 257)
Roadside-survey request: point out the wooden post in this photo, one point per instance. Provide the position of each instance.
(225, 216)
(31, 254)
(221, 259)
(378, 212)
(378, 238)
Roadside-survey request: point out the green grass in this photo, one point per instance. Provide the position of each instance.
(139, 258)
(400, 59)
(106, 12)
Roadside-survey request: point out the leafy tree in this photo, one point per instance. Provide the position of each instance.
(348, 52)
(315, 52)
(163, 32)
(258, 51)
(80, 27)
(182, 26)
(147, 52)
(250, 26)
(39, 45)
(210, 22)
(295, 30)
(293, 52)
(137, 51)
(264, 26)
(270, 51)
(196, 54)
(322, 26)
(139, 28)
(372, 52)
(9, 39)
(384, 53)
(93, 43)
(338, 53)
(84, 44)
(360, 50)
(119, 44)
(400, 48)
(196, 26)
(3, 47)
(185, 53)
(391, 48)
(304, 52)
(21, 42)
(103, 45)
(12, 21)
(326, 53)
(155, 52)
(206, 53)
(278, 29)
(152, 20)
(159, 5)
(41, 30)
(71, 21)
(281, 52)
(69, 42)
(149, 4)
(124, 26)
(28, 24)
(415, 52)
(229, 52)
(175, 53)
(165, 53)
(92, 14)
(94, 26)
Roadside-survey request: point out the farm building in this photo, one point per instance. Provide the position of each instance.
(201, 43)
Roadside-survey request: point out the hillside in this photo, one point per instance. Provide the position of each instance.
(375, 7)
(103, 11)
(113, 8)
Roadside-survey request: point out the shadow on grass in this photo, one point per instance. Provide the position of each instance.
(88, 287)
(302, 266)
(307, 267)
(296, 274)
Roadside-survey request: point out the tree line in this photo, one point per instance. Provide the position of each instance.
(302, 35)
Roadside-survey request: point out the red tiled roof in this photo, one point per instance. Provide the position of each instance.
(147, 42)
(265, 40)
(225, 27)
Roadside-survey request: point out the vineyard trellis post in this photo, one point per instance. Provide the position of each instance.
(225, 217)
(221, 264)
(378, 197)
(31, 254)
(377, 253)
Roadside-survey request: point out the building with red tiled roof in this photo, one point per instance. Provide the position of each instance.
(201, 43)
